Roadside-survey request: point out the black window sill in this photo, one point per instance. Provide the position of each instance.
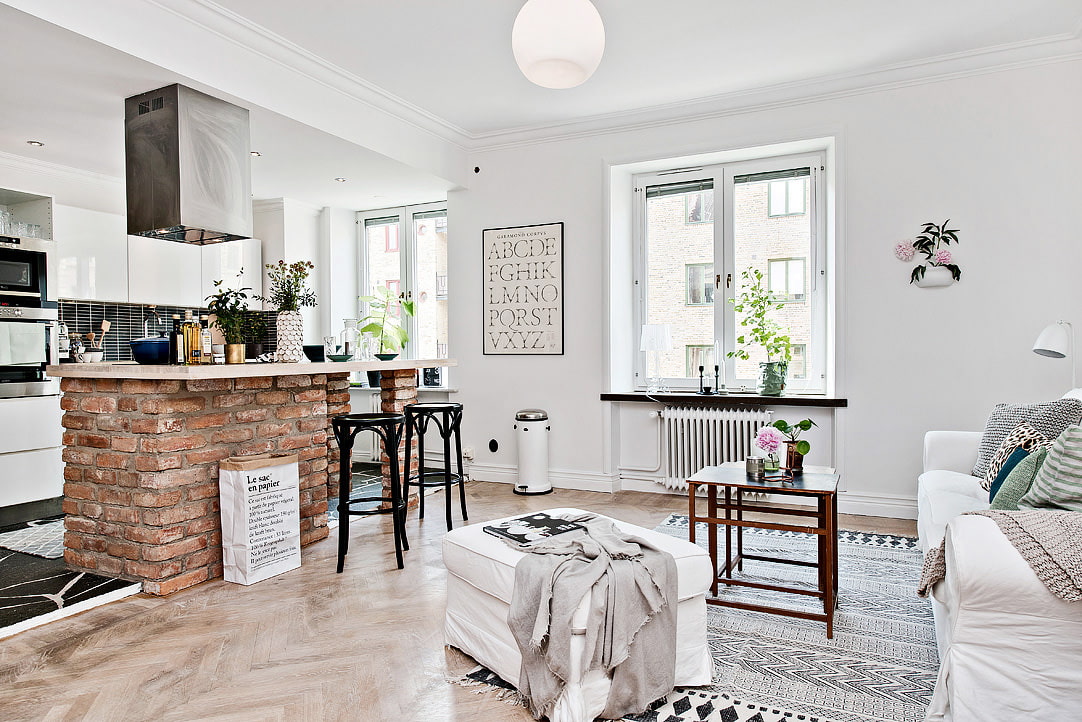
(728, 399)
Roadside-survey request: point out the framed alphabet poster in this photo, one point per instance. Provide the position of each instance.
(524, 290)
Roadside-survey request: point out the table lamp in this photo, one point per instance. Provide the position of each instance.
(1057, 341)
(656, 337)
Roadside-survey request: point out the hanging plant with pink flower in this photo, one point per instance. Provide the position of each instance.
(933, 242)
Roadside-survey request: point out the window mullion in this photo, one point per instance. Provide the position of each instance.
(725, 316)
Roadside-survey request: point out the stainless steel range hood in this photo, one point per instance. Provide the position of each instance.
(188, 166)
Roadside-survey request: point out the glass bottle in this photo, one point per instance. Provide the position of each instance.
(207, 353)
(349, 340)
(176, 342)
(193, 340)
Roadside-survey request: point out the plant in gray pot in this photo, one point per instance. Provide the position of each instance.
(228, 306)
(756, 303)
(288, 295)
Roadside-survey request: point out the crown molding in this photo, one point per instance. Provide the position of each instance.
(46, 168)
(1064, 47)
(237, 29)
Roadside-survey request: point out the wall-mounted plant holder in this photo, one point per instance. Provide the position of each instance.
(938, 269)
(935, 277)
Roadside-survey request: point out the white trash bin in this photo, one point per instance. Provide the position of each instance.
(532, 431)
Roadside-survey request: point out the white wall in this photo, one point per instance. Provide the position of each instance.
(997, 153)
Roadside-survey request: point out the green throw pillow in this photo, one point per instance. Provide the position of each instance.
(1017, 483)
(1058, 484)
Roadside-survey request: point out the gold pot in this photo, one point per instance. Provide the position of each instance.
(234, 353)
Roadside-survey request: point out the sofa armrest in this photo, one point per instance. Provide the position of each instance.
(1013, 648)
(951, 450)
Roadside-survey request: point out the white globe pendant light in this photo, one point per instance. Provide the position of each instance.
(558, 43)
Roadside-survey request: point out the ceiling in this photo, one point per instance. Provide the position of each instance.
(71, 97)
(454, 59)
(451, 63)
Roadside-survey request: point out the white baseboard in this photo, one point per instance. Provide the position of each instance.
(559, 478)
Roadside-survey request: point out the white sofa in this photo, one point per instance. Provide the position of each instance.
(1008, 648)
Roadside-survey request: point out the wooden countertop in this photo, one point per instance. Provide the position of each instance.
(132, 370)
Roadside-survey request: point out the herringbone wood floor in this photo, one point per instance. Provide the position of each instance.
(308, 645)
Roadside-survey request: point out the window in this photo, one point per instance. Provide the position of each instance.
(682, 268)
(700, 284)
(699, 356)
(785, 278)
(699, 208)
(798, 365)
(415, 269)
(787, 197)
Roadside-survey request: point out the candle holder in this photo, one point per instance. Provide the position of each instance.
(719, 388)
(704, 390)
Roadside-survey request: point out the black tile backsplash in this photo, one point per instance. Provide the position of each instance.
(127, 323)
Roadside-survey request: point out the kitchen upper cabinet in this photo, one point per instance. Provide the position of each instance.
(239, 264)
(164, 272)
(91, 257)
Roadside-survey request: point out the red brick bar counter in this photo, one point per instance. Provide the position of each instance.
(142, 446)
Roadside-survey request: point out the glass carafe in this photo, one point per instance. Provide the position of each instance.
(349, 340)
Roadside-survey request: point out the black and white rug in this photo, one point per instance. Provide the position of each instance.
(880, 667)
(36, 586)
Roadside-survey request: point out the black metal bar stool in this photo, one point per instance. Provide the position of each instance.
(448, 419)
(388, 427)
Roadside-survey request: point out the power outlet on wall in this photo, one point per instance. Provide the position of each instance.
(467, 453)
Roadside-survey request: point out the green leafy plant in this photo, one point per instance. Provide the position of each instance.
(756, 304)
(229, 306)
(382, 319)
(254, 327)
(288, 291)
(933, 242)
(793, 431)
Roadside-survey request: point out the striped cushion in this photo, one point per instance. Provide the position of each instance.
(1018, 481)
(1050, 418)
(1058, 484)
(1023, 437)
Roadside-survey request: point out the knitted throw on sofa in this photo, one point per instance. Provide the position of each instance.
(1048, 540)
(631, 628)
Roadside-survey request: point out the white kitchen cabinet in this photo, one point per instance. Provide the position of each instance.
(238, 263)
(164, 272)
(91, 257)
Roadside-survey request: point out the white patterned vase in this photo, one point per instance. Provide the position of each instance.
(290, 337)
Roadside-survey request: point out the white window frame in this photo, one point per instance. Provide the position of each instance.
(727, 277)
(407, 254)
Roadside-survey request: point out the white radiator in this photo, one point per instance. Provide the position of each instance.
(696, 437)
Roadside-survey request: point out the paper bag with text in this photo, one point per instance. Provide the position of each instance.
(261, 519)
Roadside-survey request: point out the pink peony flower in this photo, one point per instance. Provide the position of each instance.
(769, 439)
(943, 256)
(903, 250)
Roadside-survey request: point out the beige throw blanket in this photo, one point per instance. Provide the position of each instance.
(1050, 542)
(631, 629)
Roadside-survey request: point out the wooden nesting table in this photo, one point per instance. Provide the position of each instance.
(734, 482)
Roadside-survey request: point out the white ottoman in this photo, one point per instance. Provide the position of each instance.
(479, 585)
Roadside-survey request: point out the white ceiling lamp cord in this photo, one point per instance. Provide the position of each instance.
(558, 43)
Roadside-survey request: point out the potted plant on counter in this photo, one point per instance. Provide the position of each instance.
(796, 448)
(228, 307)
(255, 332)
(756, 303)
(288, 295)
(382, 322)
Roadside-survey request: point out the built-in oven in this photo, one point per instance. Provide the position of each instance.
(28, 321)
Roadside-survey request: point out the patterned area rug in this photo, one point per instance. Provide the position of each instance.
(880, 667)
(42, 538)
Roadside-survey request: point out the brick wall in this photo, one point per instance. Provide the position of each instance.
(141, 475)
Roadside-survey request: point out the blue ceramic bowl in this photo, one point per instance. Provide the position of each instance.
(150, 350)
